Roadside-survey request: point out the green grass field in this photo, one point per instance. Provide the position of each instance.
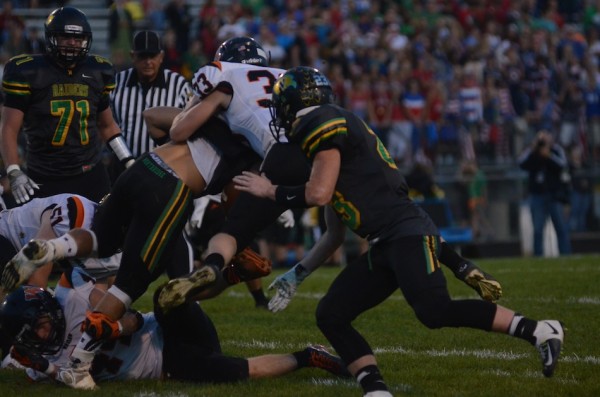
(415, 361)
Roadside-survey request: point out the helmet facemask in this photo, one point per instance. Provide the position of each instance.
(297, 89)
(67, 54)
(63, 24)
(27, 309)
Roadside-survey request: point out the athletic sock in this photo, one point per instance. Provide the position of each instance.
(523, 327)
(302, 358)
(259, 296)
(370, 379)
(65, 246)
(216, 260)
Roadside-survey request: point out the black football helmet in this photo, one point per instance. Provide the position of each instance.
(298, 88)
(20, 313)
(67, 21)
(242, 50)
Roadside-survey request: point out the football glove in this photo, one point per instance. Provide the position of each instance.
(21, 185)
(100, 327)
(285, 287)
(286, 219)
(29, 358)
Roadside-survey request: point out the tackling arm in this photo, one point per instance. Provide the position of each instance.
(158, 122)
(196, 113)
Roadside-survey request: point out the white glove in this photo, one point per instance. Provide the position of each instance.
(286, 219)
(285, 287)
(21, 185)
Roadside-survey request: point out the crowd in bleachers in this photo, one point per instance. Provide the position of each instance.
(448, 81)
(453, 80)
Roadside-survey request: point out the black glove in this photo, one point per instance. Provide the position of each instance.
(29, 358)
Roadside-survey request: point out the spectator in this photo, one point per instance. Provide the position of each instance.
(582, 193)
(173, 57)
(476, 183)
(35, 44)
(120, 33)
(179, 19)
(571, 102)
(8, 18)
(546, 163)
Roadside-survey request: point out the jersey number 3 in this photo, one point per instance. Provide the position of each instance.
(253, 76)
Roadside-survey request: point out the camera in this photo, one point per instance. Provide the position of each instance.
(541, 143)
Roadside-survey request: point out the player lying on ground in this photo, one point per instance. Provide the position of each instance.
(181, 345)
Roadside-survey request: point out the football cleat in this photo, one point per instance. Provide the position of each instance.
(77, 375)
(246, 266)
(33, 255)
(320, 357)
(486, 285)
(549, 336)
(179, 290)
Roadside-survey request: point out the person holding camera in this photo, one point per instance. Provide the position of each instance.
(549, 188)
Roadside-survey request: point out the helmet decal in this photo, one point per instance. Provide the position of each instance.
(298, 88)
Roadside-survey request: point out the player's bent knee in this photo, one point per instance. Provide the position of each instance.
(431, 310)
(328, 319)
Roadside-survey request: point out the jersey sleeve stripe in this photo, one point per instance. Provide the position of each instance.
(322, 133)
(16, 88)
(108, 88)
(80, 212)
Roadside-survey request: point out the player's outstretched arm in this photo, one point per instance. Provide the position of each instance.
(285, 285)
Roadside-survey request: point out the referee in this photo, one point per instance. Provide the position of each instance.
(147, 84)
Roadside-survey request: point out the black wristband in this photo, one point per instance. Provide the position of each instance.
(291, 196)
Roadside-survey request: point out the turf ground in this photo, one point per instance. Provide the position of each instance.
(415, 361)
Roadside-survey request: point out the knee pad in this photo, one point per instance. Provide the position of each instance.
(100, 327)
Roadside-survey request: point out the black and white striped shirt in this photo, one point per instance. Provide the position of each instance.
(130, 98)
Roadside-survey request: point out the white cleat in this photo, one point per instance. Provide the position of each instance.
(549, 335)
(33, 255)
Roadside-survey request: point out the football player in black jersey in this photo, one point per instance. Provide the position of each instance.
(60, 100)
(354, 175)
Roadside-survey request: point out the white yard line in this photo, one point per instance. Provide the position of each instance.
(482, 354)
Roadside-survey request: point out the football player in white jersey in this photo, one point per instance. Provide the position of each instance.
(237, 87)
(181, 345)
(46, 218)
